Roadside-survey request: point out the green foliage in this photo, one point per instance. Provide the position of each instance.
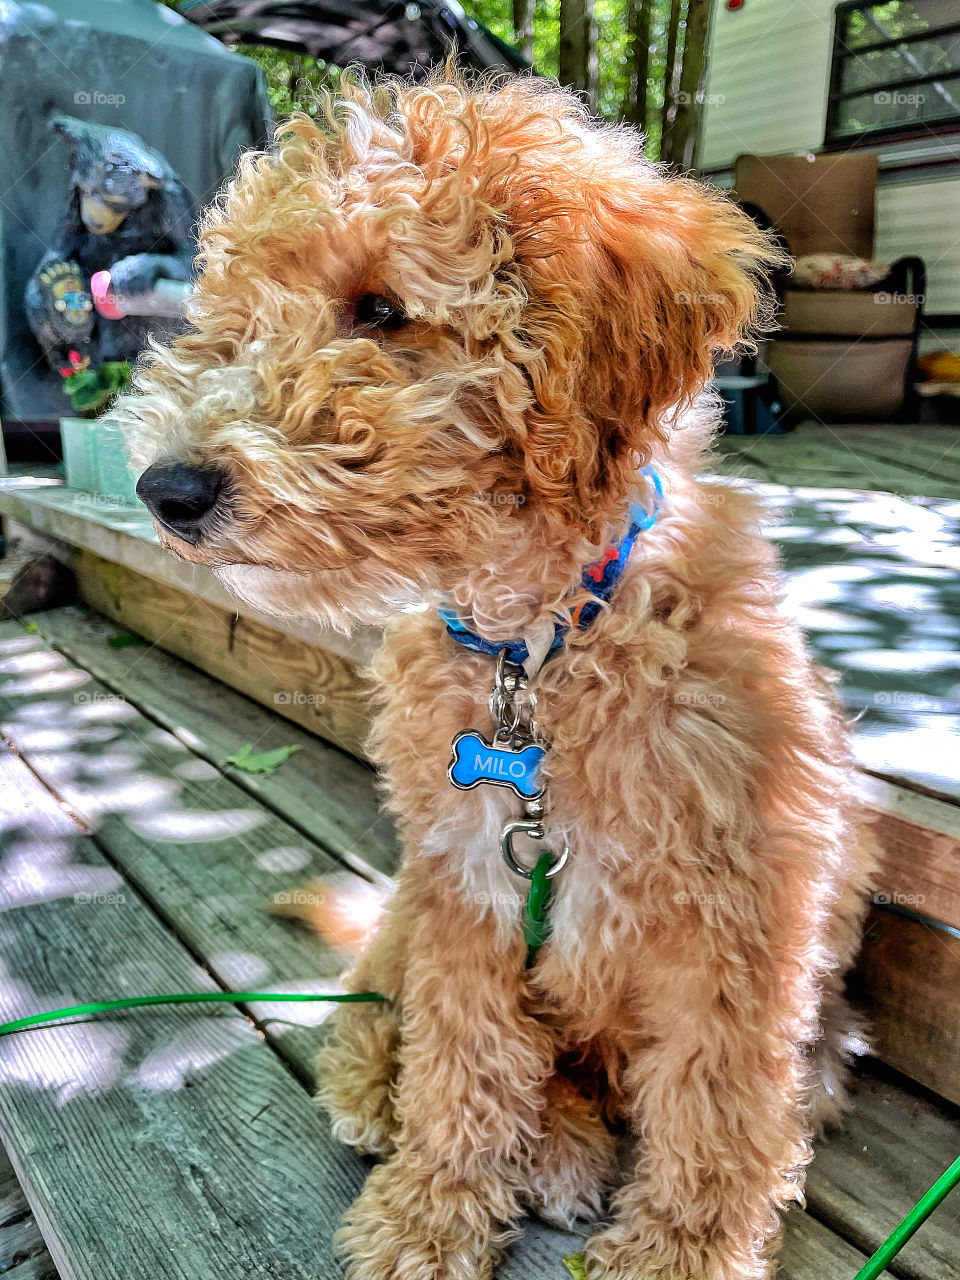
(883, 21)
(124, 640)
(91, 388)
(613, 50)
(293, 79)
(268, 762)
(576, 1265)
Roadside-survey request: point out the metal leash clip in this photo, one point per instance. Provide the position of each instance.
(513, 706)
(532, 827)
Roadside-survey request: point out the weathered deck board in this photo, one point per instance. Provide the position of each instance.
(908, 977)
(20, 1242)
(873, 580)
(214, 720)
(920, 838)
(812, 1251)
(13, 1203)
(891, 1148)
(207, 855)
(304, 682)
(899, 459)
(39, 1268)
(163, 1142)
(20, 1238)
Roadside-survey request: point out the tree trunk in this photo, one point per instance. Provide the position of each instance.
(523, 27)
(670, 74)
(683, 133)
(578, 48)
(635, 104)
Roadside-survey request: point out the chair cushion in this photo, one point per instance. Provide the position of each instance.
(834, 312)
(836, 271)
(843, 378)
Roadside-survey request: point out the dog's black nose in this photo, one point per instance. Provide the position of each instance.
(180, 495)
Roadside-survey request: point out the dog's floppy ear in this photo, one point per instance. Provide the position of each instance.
(647, 279)
(681, 278)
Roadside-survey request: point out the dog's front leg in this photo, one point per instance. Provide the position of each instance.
(469, 1102)
(357, 1065)
(715, 1095)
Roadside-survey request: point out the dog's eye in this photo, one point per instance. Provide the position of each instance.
(375, 309)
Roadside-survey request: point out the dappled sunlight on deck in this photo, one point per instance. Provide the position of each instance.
(33, 871)
(219, 856)
(177, 1059)
(882, 607)
(73, 1060)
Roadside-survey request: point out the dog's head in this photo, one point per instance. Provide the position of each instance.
(435, 321)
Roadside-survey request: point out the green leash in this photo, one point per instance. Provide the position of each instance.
(182, 997)
(536, 926)
(920, 1212)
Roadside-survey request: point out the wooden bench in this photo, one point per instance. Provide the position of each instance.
(183, 1142)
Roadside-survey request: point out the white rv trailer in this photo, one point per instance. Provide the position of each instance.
(794, 76)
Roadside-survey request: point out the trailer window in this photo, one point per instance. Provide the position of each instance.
(896, 69)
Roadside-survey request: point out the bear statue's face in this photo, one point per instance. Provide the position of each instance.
(109, 193)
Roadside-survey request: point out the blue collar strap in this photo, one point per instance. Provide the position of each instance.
(598, 578)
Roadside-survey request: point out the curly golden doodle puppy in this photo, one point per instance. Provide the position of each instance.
(447, 349)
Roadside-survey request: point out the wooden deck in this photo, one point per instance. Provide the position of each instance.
(183, 1143)
(873, 580)
(906, 460)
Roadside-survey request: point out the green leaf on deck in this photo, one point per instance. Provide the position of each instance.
(124, 640)
(261, 761)
(31, 627)
(576, 1265)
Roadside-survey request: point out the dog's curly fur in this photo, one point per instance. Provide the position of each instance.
(562, 301)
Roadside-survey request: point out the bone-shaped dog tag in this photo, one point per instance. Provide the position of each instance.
(475, 761)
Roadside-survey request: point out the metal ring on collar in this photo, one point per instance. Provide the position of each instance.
(501, 709)
(534, 829)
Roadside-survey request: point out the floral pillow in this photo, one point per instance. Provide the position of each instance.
(837, 271)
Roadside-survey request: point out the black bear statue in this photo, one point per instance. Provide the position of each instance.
(127, 213)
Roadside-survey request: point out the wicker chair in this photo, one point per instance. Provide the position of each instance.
(839, 352)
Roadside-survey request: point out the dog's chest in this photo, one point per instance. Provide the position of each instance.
(469, 843)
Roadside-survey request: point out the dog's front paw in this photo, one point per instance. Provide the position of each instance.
(649, 1250)
(355, 1073)
(410, 1226)
(572, 1169)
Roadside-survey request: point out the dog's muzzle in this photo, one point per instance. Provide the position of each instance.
(182, 497)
